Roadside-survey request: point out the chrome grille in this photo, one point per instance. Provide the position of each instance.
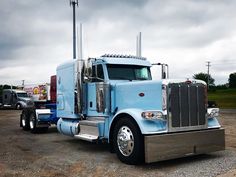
(186, 106)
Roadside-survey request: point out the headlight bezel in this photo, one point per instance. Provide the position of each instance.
(213, 113)
(153, 115)
(164, 97)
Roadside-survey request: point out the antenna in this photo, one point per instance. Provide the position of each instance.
(73, 3)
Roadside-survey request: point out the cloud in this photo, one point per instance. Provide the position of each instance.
(36, 36)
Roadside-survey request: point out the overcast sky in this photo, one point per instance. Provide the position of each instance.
(36, 36)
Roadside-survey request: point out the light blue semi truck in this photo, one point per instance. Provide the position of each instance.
(114, 99)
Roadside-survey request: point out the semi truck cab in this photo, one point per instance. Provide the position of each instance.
(15, 98)
(113, 98)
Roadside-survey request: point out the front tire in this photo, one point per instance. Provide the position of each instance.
(128, 142)
(18, 106)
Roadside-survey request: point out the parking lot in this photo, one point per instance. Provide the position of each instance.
(52, 154)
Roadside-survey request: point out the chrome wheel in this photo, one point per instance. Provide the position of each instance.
(32, 122)
(23, 121)
(125, 140)
(18, 106)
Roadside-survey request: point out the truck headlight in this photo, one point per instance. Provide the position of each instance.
(153, 115)
(212, 112)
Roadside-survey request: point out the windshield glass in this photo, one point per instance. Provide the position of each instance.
(22, 95)
(128, 72)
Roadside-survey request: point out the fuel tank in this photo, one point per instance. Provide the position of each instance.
(68, 127)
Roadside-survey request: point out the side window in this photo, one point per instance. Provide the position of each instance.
(97, 75)
(100, 72)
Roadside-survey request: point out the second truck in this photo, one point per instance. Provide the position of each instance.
(39, 115)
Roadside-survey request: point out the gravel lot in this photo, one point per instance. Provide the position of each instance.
(52, 154)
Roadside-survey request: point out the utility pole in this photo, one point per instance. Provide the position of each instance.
(74, 3)
(208, 73)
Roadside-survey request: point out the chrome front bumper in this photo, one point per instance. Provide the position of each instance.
(175, 145)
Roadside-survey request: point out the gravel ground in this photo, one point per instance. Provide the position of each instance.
(52, 154)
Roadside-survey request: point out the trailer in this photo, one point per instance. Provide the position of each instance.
(113, 99)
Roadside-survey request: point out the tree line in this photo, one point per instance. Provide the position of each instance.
(204, 76)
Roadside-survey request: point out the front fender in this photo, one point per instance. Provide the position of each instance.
(146, 126)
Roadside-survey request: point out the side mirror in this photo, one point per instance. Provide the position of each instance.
(164, 70)
(88, 71)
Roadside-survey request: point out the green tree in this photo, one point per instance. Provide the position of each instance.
(232, 80)
(204, 77)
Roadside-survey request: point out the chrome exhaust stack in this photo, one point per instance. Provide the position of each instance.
(80, 75)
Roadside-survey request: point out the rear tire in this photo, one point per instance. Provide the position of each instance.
(24, 120)
(33, 124)
(128, 142)
(18, 106)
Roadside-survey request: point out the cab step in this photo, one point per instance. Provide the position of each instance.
(87, 137)
(89, 129)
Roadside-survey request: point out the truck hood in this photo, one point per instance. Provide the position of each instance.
(24, 99)
(145, 95)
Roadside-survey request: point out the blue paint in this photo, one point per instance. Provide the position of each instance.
(124, 94)
(49, 118)
(127, 95)
(66, 90)
(146, 126)
(53, 117)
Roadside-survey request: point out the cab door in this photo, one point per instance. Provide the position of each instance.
(97, 103)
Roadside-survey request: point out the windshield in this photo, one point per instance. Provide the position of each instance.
(128, 72)
(22, 95)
